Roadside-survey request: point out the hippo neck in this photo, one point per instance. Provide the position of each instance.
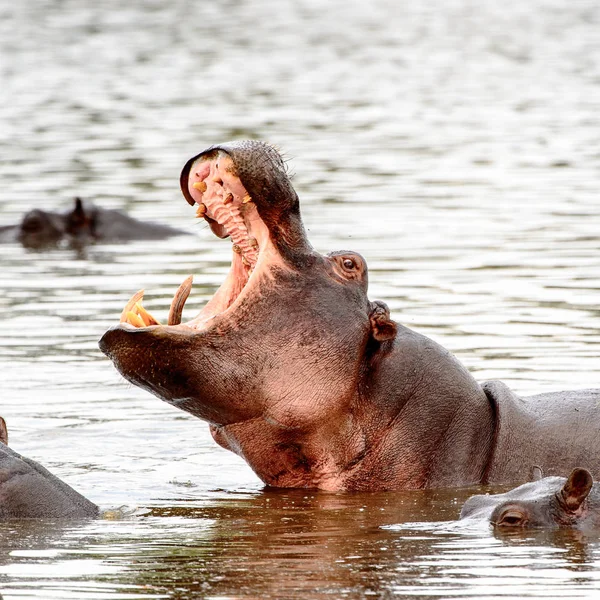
(443, 427)
(537, 433)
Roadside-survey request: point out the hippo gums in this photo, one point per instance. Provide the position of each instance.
(28, 490)
(313, 384)
(550, 502)
(82, 224)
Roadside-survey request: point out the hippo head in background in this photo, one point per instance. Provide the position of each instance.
(290, 363)
(40, 228)
(81, 225)
(549, 502)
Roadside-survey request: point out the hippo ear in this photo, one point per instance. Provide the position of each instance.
(382, 327)
(3, 432)
(576, 489)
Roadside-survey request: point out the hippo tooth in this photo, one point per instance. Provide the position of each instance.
(145, 315)
(135, 320)
(135, 299)
(201, 210)
(3, 432)
(200, 185)
(237, 249)
(181, 295)
(253, 242)
(247, 198)
(228, 199)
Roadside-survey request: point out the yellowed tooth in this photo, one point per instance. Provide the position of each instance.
(245, 261)
(3, 432)
(201, 210)
(247, 198)
(135, 320)
(237, 249)
(228, 199)
(137, 297)
(181, 295)
(200, 186)
(253, 242)
(145, 315)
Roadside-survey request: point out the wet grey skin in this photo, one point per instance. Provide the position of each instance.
(315, 385)
(550, 502)
(83, 224)
(29, 491)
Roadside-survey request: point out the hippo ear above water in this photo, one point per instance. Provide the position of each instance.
(576, 489)
(3, 432)
(382, 327)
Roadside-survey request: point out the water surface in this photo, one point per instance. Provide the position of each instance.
(456, 145)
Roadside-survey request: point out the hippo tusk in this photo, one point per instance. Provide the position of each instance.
(181, 295)
(145, 315)
(129, 307)
(135, 319)
(200, 186)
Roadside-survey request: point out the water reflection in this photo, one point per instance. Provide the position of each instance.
(295, 544)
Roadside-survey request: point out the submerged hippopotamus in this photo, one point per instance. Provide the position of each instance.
(28, 490)
(82, 224)
(313, 384)
(550, 502)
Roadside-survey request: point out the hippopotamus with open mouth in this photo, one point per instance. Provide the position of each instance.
(313, 384)
(28, 490)
(549, 502)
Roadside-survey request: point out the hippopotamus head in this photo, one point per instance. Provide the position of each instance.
(277, 354)
(39, 228)
(82, 224)
(549, 502)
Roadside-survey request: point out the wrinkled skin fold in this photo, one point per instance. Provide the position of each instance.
(313, 384)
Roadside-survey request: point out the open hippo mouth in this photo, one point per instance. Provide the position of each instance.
(242, 190)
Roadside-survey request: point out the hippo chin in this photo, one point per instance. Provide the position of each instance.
(82, 225)
(550, 502)
(313, 384)
(28, 490)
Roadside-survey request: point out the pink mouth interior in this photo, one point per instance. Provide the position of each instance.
(224, 202)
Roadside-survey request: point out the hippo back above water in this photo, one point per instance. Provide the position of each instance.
(28, 490)
(296, 370)
(83, 224)
(573, 501)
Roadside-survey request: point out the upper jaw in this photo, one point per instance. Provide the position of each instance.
(210, 182)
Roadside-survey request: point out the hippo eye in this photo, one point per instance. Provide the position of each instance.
(349, 264)
(511, 518)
